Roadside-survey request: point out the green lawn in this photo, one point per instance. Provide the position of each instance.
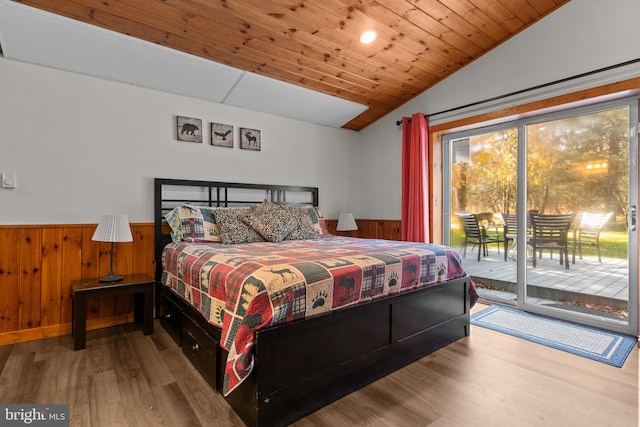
(613, 244)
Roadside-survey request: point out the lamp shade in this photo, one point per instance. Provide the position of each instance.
(113, 228)
(346, 222)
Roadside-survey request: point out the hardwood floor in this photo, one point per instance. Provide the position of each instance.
(124, 378)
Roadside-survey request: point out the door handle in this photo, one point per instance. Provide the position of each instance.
(631, 218)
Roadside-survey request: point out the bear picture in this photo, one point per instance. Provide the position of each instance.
(189, 129)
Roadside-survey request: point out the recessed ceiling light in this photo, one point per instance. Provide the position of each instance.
(368, 36)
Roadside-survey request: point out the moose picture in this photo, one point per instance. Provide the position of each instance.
(221, 135)
(189, 129)
(250, 139)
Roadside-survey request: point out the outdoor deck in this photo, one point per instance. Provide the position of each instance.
(586, 281)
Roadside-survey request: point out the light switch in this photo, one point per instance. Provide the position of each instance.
(8, 180)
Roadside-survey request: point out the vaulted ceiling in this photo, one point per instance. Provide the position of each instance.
(315, 43)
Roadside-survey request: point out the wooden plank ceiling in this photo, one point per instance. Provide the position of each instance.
(315, 43)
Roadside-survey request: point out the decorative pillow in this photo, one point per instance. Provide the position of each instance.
(273, 222)
(193, 223)
(316, 218)
(192, 229)
(306, 229)
(211, 229)
(173, 220)
(233, 229)
(186, 223)
(323, 226)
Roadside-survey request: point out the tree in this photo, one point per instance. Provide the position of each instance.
(573, 164)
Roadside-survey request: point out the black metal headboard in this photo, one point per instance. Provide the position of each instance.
(169, 193)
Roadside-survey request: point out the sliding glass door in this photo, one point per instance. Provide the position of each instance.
(483, 177)
(560, 192)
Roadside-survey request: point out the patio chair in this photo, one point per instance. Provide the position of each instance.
(511, 233)
(588, 232)
(476, 235)
(486, 218)
(550, 232)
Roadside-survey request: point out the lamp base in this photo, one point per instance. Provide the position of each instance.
(110, 278)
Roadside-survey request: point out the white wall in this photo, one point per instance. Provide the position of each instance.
(582, 36)
(83, 146)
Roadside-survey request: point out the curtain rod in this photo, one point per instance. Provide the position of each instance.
(518, 92)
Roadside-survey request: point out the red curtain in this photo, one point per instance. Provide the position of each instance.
(415, 178)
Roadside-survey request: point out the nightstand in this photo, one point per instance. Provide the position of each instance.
(139, 284)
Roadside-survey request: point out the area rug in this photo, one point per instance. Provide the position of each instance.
(603, 346)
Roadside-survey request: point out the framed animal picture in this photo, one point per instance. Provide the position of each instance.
(189, 129)
(221, 135)
(250, 139)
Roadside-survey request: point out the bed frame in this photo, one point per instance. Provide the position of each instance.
(306, 364)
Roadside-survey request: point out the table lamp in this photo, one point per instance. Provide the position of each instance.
(112, 228)
(346, 222)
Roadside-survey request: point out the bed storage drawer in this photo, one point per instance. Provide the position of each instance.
(420, 312)
(200, 348)
(171, 318)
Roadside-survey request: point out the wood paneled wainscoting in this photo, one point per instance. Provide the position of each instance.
(388, 229)
(37, 265)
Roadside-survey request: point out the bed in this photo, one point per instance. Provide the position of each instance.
(285, 326)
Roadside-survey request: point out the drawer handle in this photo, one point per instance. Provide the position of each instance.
(196, 347)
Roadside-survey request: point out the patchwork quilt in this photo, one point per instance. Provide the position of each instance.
(245, 287)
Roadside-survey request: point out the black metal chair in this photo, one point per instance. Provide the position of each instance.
(476, 235)
(588, 232)
(551, 232)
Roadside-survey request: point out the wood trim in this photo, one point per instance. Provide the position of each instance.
(62, 329)
(435, 190)
(588, 96)
(37, 265)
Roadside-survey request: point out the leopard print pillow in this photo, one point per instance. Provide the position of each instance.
(232, 229)
(272, 222)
